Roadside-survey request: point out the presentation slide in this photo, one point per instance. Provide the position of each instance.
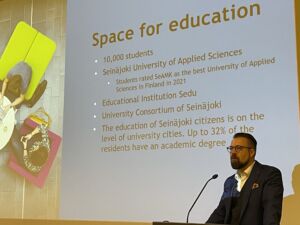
(154, 91)
(120, 111)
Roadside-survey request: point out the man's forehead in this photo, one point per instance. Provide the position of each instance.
(240, 140)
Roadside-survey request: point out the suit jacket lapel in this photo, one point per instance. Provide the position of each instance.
(248, 187)
(230, 194)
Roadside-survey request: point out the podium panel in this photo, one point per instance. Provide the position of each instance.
(66, 222)
(87, 222)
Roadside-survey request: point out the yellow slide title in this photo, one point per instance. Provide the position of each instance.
(187, 22)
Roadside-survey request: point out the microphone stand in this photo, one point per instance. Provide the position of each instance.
(213, 177)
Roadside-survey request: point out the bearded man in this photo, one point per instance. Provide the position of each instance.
(253, 195)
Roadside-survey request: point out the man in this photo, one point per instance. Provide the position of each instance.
(253, 196)
(20, 73)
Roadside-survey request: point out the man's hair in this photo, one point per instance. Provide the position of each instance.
(248, 136)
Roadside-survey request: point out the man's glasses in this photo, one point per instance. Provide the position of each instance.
(236, 148)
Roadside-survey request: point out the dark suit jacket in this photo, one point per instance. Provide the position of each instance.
(261, 201)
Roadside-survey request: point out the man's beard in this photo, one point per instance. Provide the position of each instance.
(236, 164)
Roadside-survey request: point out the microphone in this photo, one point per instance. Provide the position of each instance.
(212, 178)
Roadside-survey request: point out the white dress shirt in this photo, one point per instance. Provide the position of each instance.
(242, 176)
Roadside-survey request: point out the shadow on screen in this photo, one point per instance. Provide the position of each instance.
(291, 203)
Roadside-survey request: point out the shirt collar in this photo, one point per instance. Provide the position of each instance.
(246, 173)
